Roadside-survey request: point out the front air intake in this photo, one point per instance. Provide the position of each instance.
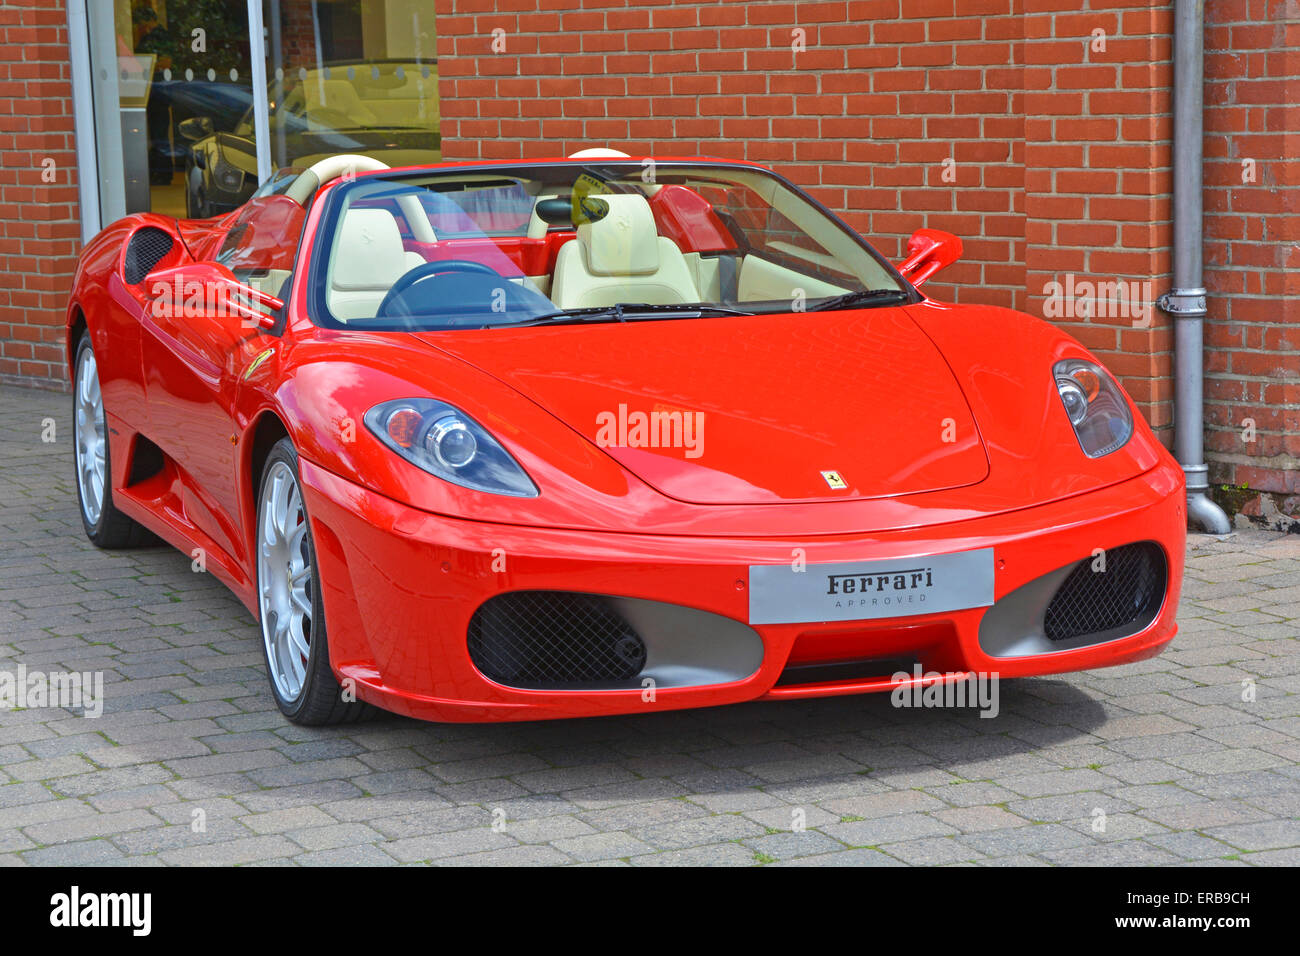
(145, 250)
(1123, 593)
(553, 639)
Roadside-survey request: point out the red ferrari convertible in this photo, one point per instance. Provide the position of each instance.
(598, 435)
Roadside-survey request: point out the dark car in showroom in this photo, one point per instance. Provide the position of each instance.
(174, 101)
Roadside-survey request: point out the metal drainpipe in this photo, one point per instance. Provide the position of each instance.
(1186, 301)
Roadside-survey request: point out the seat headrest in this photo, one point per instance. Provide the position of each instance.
(340, 96)
(624, 242)
(370, 254)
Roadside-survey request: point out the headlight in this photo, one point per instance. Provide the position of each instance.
(228, 177)
(1095, 406)
(444, 441)
(451, 442)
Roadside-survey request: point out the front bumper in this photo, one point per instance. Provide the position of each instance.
(400, 587)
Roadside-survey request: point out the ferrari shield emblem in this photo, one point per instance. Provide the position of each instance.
(834, 480)
(257, 362)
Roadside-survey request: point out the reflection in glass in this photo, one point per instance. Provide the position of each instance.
(345, 77)
(358, 76)
(155, 65)
(173, 101)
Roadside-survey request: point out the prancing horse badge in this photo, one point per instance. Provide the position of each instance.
(834, 480)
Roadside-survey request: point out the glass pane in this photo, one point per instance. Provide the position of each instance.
(171, 77)
(352, 76)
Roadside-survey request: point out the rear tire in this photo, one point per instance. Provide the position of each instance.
(106, 527)
(294, 642)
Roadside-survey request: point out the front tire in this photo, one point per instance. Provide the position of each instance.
(106, 527)
(294, 642)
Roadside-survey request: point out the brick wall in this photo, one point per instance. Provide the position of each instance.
(847, 98)
(1252, 244)
(39, 231)
(1098, 181)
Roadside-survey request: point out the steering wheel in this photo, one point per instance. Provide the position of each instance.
(419, 273)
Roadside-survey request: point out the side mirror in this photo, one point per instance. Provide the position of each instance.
(928, 251)
(214, 291)
(195, 128)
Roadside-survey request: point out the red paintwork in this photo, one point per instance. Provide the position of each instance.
(753, 433)
(687, 218)
(270, 219)
(928, 251)
(405, 558)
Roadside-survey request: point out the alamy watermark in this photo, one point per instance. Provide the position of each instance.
(659, 428)
(178, 298)
(932, 689)
(1077, 298)
(29, 690)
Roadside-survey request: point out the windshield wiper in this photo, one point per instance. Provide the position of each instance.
(862, 297)
(619, 312)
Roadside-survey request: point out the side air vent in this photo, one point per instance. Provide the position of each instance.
(551, 639)
(1127, 593)
(145, 250)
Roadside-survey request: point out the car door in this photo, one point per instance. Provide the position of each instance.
(200, 338)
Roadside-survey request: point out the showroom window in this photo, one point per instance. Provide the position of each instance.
(188, 123)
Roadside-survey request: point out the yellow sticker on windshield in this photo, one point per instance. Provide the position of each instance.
(587, 208)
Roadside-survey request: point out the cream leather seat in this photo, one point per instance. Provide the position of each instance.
(368, 259)
(621, 258)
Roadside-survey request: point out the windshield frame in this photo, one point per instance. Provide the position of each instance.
(335, 201)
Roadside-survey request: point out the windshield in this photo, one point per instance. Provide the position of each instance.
(280, 181)
(475, 248)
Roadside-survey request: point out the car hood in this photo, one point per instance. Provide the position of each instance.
(749, 409)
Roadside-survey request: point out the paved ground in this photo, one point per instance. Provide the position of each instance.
(191, 762)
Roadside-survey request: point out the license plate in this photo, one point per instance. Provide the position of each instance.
(868, 590)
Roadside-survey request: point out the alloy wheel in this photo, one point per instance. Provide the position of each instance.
(284, 574)
(91, 435)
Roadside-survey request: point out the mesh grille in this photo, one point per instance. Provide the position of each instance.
(1090, 602)
(143, 252)
(542, 639)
